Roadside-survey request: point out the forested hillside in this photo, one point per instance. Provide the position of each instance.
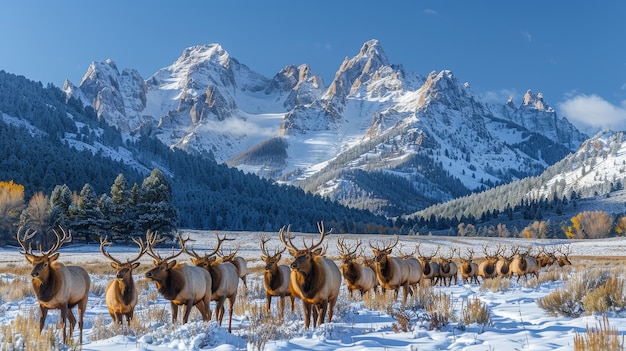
(48, 141)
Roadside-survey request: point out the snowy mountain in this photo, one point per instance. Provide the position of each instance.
(376, 137)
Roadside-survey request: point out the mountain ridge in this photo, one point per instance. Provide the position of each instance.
(433, 131)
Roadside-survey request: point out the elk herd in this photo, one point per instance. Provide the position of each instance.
(310, 275)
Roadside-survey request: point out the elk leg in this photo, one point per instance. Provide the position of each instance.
(70, 316)
(322, 310)
(63, 321)
(174, 312)
(306, 307)
(331, 307)
(268, 304)
(230, 312)
(42, 318)
(187, 311)
(281, 307)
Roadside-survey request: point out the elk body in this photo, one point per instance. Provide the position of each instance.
(120, 294)
(468, 269)
(315, 279)
(276, 280)
(449, 270)
(225, 280)
(240, 264)
(356, 276)
(545, 258)
(487, 268)
(182, 285)
(392, 272)
(56, 285)
(523, 264)
(431, 269)
(503, 265)
(563, 259)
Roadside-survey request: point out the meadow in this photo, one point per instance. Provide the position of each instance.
(575, 307)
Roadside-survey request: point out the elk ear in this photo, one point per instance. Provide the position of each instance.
(293, 252)
(264, 258)
(135, 265)
(114, 265)
(318, 252)
(54, 256)
(30, 258)
(171, 264)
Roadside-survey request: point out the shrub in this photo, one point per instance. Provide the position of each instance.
(601, 338)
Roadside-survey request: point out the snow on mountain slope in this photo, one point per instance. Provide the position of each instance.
(373, 120)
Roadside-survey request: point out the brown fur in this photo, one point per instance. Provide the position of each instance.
(276, 281)
(314, 278)
(57, 286)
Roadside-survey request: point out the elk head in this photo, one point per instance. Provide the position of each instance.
(381, 253)
(162, 265)
(43, 261)
(304, 258)
(271, 259)
(209, 259)
(347, 254)
(123, 269)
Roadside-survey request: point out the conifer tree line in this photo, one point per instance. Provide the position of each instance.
(126, 212)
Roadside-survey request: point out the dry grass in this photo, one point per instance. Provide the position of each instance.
(495, 284)
(22, 333)
(600, 338)
(475, 311)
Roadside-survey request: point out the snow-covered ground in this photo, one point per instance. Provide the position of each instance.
(516, 320)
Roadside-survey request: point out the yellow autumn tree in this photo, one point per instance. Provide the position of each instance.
(589, 225)
(11, 205)
(620, 226)
(537, 229)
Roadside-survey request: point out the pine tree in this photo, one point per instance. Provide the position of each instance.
(155, 210)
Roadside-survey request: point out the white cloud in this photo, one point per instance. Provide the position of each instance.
(527, 36)
(235, 126)
(430, 12)
(592, 113)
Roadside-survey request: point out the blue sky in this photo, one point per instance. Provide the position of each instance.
(573, 52)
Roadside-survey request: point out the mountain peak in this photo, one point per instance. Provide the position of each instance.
(535, 101)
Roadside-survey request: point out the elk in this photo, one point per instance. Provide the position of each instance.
(239, 263)
(56, 285)
(276, 277)
(430, 268)
(503, 265)
(314, 278)
(225, 280)
(487, 268)
(120, 293)
(182, 285)
(524, 264)
(415, 268)
(391, 272)
(448, 269)
(563, 260)
(545, 258)
(357, 276)
(469, 269)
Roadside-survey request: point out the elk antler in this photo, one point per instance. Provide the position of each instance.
(151, 240)
(28, 234)
(264, 240)
(104, 242)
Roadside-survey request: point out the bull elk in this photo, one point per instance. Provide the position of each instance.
(315, 279)
(182, 285)
(225, 280)
(120, 294)
(448, 269)
(56, 285)
(415, 268)
(469, 269)
(430, 268)
(503, 265)
(275, 277)
(523, 264)
(487, 268)
(545, 258)
(239, 262)
(563, 259)
(392, 272)
(357, 276)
